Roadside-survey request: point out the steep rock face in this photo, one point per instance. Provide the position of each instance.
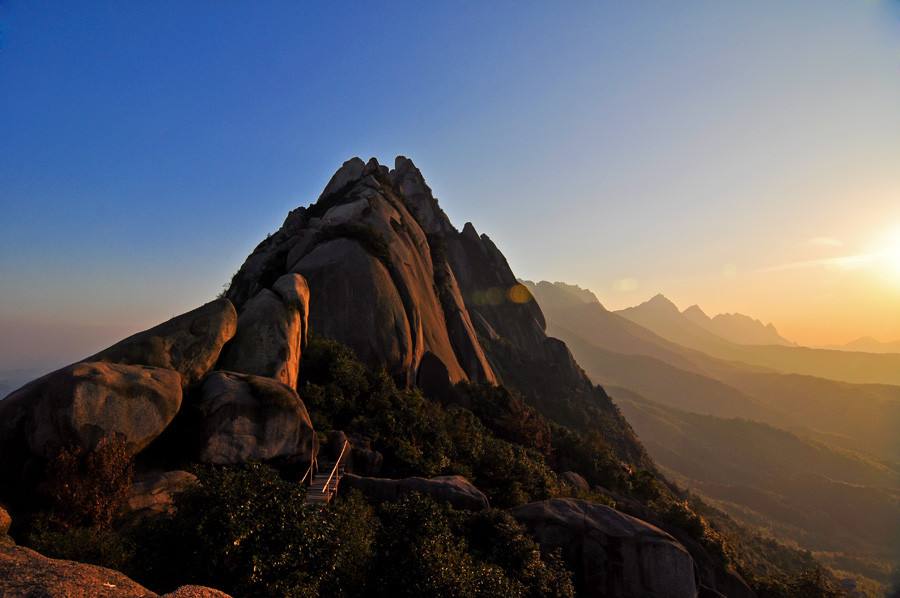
(611, 554)
(252, 418)
(189, 344)
(511, 328)
(371, 271)
(271, 332)
(80, 404)
(453, 489)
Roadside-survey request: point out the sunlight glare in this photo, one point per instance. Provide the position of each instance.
(890, 253)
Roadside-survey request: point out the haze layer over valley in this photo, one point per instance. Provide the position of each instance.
(813, 459)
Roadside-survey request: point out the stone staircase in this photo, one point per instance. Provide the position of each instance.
(324, 477)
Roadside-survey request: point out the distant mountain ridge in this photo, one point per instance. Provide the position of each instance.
(737, 328)
(616, 351)
(664, 318)
(867, 344)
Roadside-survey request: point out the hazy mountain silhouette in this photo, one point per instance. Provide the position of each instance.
(665, 319)
(737, 328)
(867, 344)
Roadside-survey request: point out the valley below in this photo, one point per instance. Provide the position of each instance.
(809, 459)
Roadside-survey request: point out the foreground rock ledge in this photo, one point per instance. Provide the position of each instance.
(26, 573)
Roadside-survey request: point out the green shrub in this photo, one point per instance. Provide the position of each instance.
(495, 537)
(506, 415)
(424, 550)
(250, 533)
(591, 456)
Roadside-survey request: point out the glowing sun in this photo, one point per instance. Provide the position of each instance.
(890, 253)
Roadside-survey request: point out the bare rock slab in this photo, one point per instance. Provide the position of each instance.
(190, 343)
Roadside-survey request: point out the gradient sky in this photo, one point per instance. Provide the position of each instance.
(728, 154)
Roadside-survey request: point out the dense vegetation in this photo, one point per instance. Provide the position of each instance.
(247, 531)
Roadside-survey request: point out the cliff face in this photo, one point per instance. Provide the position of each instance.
(391, 277)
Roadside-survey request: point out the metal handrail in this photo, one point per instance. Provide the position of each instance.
(334, 470)
(313, 466)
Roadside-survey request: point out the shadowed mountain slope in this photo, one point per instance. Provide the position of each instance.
(826, 499)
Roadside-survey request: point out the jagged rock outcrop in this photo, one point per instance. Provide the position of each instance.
(240, 417)
(271, 332)
(453, 489)
(25, 573)
(189, 344)
(81, 403)
(370, 265)
(154, 493)
(612, 554)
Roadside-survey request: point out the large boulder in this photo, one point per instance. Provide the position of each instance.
(25, 573)
(612, 554)
(271, 332)
(242, 418)
(453, 489)
(82, 403)
(189, 344)
(154, 493)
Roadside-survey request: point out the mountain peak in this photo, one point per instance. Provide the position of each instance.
(558, 294)
(696, 314)
(660, 301)
(350, 171)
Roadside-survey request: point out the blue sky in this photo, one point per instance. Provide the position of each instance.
(690, 148)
